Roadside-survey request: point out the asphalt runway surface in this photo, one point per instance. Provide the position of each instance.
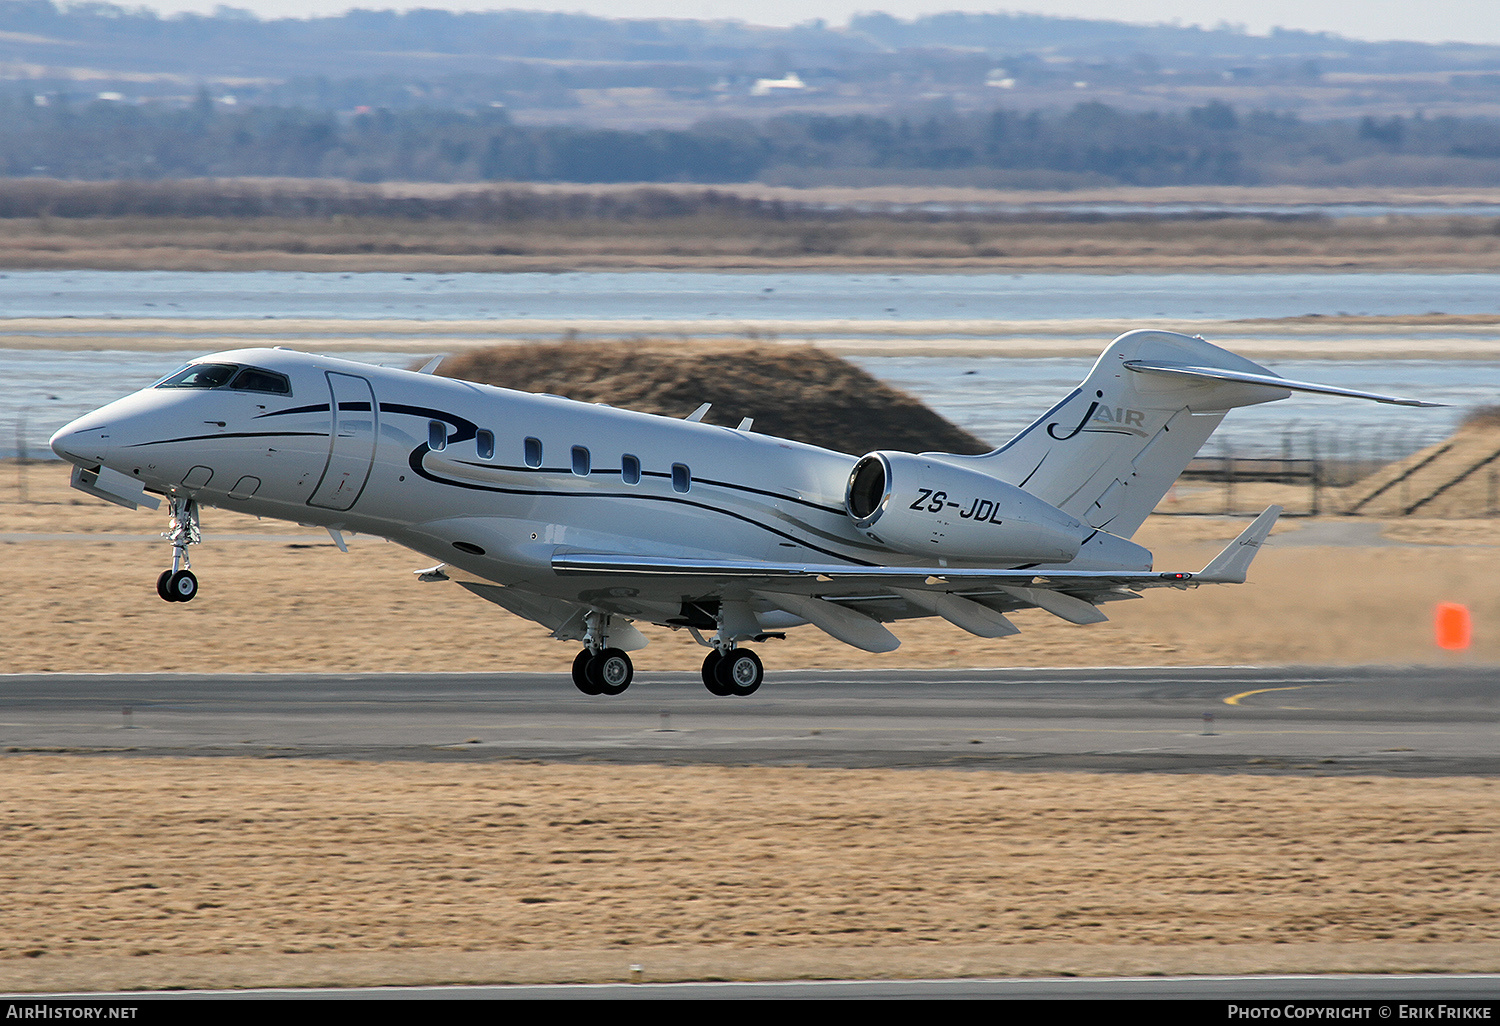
(1330, 720)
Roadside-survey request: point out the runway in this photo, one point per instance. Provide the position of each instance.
(1326, 720)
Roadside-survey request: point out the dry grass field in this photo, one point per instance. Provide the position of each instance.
(1247, 244)
(81, 574)
(146, 873)
(153, 873)
(800, 236)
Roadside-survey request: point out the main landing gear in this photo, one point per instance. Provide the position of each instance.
(601, 670)
(179, 584)
(605, 672)
(598, 669)
(737, 672)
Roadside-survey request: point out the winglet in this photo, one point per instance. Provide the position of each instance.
(1229, 566)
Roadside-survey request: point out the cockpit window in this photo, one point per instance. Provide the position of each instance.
(253, 379)
(199, 375)
(218, 375)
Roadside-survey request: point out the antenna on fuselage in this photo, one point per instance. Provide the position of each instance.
(699, 412)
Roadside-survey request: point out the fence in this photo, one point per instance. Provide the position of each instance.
(1314, 465)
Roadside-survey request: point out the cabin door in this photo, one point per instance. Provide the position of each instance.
(351, 443)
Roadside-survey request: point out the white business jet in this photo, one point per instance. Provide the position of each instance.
(584, 518)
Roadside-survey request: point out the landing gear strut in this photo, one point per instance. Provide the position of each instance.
(179, 584)
(598, 670)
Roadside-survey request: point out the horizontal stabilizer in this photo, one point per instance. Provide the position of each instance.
(1270, 380)
(1231, 565)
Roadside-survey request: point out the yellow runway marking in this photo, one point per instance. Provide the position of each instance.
(1235, 699)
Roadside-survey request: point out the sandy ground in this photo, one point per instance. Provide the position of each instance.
(1433, 336)
(198, 873)
(144, 873)
(81, 577)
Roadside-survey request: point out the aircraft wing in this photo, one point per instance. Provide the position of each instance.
(852, 603)
(830, 579)
(818, 576)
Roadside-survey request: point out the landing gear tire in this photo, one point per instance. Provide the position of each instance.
(161, 586)
(610, 671)
(711, 674)
(581, 678)
(739, 673)
(181, 586)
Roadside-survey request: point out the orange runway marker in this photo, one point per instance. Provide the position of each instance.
(1453, 626)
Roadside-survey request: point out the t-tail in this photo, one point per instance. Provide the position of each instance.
(1108, 452)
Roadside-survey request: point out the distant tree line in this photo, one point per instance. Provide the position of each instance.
(304, 198)
(1090, 144)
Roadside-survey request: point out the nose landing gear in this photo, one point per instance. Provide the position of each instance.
(179, 584)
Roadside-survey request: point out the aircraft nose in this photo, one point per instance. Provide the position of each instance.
(84, 441)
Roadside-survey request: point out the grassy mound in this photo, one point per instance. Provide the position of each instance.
(796, 392)
(1458, 477)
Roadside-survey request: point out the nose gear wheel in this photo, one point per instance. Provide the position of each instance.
(177, 585)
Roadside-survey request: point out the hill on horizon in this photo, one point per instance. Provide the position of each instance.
(796, 392)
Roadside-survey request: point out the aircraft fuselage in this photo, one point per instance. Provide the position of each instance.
(487, 479)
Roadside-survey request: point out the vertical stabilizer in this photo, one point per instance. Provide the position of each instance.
(1108, 452)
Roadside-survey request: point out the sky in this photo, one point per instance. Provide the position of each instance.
(1475, 21)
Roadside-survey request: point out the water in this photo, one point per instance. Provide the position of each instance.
(991, 397)
(1149, 210)
(648, 296)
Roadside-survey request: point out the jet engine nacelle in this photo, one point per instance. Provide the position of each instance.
(924, 506)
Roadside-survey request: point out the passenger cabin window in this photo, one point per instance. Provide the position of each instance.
(630, 469)
(437, 435)
(484, 445)
(682, 477)
(581, 462)
(533, 447)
